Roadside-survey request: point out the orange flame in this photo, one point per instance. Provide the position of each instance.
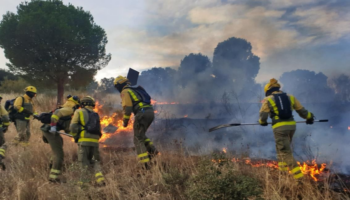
(185, 116)
(224, 150)
(312, 169)
(113, 120)
(349, 128)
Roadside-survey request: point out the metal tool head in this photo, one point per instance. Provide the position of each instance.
(110, 129)
(133, 76)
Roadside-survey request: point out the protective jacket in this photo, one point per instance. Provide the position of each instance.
(131, 103)
(62, 116)
(4, 117)
(26, 110)
(79, 120)
(272, 107)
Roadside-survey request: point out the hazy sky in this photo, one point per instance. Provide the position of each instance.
(285, 34)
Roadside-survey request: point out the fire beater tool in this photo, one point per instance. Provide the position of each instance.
(110, 129)
(133, 75)
(66, 134)
(242, 124)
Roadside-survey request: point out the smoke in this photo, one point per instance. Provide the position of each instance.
(224, 91)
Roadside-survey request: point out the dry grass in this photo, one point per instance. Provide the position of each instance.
(27, 173)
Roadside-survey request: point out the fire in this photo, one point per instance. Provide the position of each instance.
(154, 102)
(106, 120)
(308, 168)
(185, 116)
(224, 150)
(312, 169)
(349, 128)
(156, 111)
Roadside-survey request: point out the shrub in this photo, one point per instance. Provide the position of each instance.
(215, 182)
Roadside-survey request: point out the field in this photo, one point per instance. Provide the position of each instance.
(175, 174)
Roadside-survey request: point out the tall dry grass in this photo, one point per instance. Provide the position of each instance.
(175, 175)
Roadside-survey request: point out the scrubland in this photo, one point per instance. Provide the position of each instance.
(174, 174)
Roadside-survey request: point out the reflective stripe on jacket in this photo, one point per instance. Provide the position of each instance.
(79, 120)
(269, 108)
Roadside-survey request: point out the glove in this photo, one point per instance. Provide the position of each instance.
(27, 112)
(45, 140)
(36, 116)
(125, 123)
(53, 130)
(264, 124)
(310, 120)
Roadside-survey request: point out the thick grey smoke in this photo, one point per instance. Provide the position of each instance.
(224, 91)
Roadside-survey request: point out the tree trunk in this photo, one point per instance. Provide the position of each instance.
(60, 91)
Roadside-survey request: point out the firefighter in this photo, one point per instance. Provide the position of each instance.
(25, 108)
(60, 120)
(279, 106)
(4, 123)
(136, 100)
(86, 129)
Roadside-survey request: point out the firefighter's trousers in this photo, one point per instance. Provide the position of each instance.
(89, 157)
(56, 144)
(143, 145)
(286, 161)
(23, 130)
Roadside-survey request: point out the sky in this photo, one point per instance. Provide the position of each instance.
(285, 34)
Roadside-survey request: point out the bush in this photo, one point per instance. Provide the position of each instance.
(217, 183)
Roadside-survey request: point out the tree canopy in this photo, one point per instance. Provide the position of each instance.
(307, 86)
(52, 43)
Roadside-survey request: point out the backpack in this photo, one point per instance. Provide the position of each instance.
(145, 98)
(93, 125)
(283, 105)
(11, 109)
(45, 118)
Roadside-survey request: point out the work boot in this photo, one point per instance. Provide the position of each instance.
(2, 165)
(147, 166)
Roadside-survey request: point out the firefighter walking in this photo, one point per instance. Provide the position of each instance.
(279, 106)
(60, 120)
(86, 129)
(24, 109)
(4, 123)
(136, 100)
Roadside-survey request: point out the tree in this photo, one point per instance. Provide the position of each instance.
(191, 66)
(159, 82)
(307, 86)
(235, 66)
(51, 42)
(341, 86)
(6, 75)
(107, 85)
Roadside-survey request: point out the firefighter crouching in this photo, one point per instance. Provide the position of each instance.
(25, 108)
(279, 106)
(4, 123)
(136, 100)
(86, 129)
(60, 120)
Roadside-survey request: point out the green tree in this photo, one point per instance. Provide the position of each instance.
(50, 42)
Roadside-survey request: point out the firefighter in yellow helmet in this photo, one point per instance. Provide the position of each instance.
(60, 120)
(25, 108)
(136, 100)
(279, 106)
(4, 123)
(86, 129)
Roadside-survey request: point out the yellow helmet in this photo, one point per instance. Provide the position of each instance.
(74, 99)
(272, 84)
(30, 89)
(120, 80)
(88, 101)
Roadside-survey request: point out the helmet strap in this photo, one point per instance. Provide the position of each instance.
(270, 91)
